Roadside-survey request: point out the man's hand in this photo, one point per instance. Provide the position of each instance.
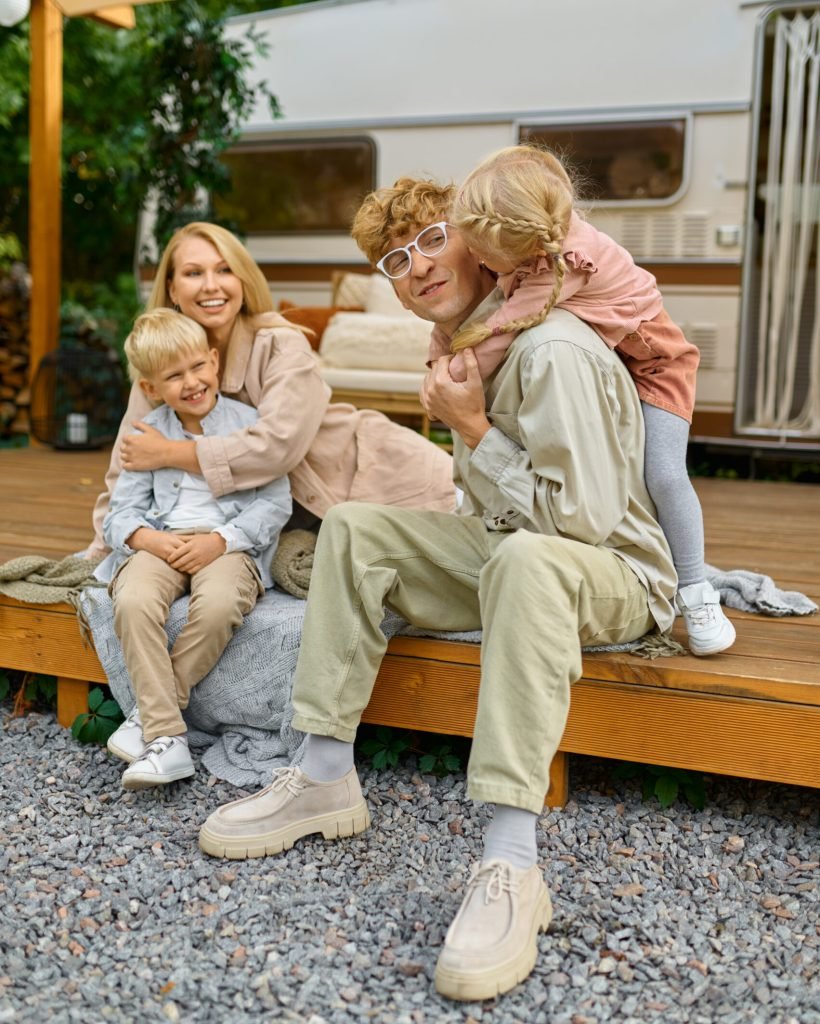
(148, 450)
(156, 542)
(196, 551)
(460, 405)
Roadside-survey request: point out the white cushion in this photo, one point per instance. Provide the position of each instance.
(401, 381)
(369, 341)
(382, 299)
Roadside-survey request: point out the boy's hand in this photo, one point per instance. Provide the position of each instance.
(196, 551)
(156, 542)
(462, 407)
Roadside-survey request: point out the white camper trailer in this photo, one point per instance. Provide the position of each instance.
(695, 126)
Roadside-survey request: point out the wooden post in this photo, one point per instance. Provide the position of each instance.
(44, 181)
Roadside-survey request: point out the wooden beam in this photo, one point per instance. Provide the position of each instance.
(46, 112)
(121, 16)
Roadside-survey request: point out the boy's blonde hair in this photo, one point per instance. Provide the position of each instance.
(516, 202)
(157, 338)
(389, 213)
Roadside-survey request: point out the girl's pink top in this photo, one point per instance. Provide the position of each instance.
(603, 286)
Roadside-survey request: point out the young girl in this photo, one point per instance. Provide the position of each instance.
(515, 211)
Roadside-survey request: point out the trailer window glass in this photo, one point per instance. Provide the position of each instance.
(279, 188)
(638, 161)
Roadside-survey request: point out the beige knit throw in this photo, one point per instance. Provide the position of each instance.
(293, 562)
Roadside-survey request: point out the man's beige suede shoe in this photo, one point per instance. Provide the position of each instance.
(292, 806)
(493, 941)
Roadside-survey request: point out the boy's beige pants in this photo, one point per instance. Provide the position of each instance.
(143, 591)
(538, 599)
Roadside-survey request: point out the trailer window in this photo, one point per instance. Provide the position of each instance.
(638, 161)
(296, 187)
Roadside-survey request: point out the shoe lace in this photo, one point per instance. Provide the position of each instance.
(497, 880)
(292, 779)
(702, 615)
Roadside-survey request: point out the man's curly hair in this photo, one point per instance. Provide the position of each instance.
(389, 213)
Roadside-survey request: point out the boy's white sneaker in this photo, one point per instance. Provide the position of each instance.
(710, 632)
(127, 742)
(165, 760)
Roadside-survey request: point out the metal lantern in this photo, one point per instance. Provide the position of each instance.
(78, 398)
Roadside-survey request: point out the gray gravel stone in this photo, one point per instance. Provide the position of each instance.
(111, 912)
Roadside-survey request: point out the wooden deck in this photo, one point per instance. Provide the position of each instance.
(754, 711)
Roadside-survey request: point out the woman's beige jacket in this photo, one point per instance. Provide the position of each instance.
(332, 453)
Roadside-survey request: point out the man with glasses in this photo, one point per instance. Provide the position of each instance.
(556, 546)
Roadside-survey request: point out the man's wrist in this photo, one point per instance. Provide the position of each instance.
(474, 434)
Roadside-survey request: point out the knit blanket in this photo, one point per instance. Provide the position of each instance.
(753, 592)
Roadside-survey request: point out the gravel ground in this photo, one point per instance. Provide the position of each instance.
(110, 911)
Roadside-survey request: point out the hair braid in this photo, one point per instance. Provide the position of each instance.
(474, 333)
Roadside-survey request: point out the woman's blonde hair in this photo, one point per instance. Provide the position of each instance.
(157, 338)
(516, 202)
(257, 298)
(391, 212)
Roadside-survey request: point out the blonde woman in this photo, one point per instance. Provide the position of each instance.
(331, 452)
(516, 212)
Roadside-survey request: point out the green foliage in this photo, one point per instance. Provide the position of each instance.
(5, 684)
(385, 747)
(41, 691)
(99, 314)
(145, 112)
(440, 760)
(10, 250)
(100, 721)
(665, 783)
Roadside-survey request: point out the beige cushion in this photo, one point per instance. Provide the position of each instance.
(350, 289)
(369, 341)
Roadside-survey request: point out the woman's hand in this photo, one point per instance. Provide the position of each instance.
(153, 450)
(147, 450)
(461, 406)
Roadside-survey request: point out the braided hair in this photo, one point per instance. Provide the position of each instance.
(516, 203)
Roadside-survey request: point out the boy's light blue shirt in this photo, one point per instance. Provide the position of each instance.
(256, 516)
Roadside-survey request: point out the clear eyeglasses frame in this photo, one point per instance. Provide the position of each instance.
(429, 242)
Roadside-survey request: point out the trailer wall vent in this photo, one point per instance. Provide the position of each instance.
(695, 234)
(665, 236)
(705, 336)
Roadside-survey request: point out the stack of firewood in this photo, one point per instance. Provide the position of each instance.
(15, 289)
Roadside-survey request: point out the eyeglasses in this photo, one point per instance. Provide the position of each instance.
(430, 242)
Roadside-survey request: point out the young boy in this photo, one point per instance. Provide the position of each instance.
(170, 535)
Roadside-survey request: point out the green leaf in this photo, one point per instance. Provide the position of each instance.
(111, 709)
(5, 685)
(95, 699)
(427, 763)
(452, 762)
(666, 790)
(380, 760)
(78, 724)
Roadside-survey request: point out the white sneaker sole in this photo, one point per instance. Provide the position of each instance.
(473, 987)
(335, 825)
(112, 748)
(147, 780)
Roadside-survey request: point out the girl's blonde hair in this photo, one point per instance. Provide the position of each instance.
(157, 338)
(257, 299)
(516, 202)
